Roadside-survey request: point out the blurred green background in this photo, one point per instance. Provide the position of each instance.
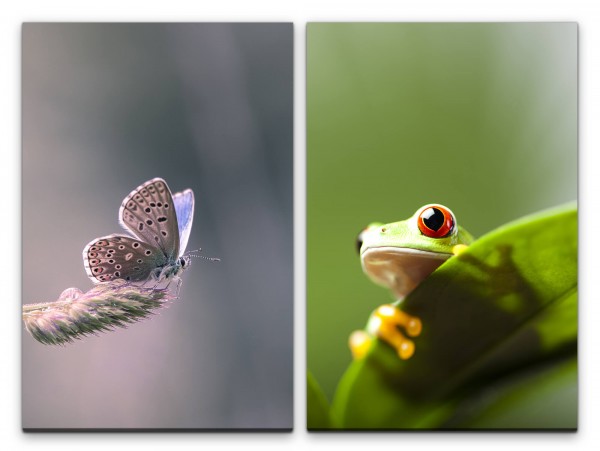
(479, 117)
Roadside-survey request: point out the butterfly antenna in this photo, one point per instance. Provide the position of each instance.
(212, 259)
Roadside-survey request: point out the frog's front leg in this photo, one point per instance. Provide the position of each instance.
(384, 323)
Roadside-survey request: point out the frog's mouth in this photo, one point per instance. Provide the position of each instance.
(400, 269)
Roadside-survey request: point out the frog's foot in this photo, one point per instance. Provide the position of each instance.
(459, 249)
(360, 343)
(384, 324)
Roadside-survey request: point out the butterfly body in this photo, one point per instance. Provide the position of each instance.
(160, 224)
(171, 270)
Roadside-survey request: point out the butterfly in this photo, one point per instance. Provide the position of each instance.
(160, 224)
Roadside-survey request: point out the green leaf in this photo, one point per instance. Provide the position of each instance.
(317, 407)
(509, 302)
(545, 397)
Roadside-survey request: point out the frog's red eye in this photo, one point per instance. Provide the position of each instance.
(436, 221)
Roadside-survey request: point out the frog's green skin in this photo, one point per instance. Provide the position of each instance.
(399, 256)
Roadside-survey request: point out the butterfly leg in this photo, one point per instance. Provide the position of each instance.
(178, 288)
(158, 282)
(157, 277)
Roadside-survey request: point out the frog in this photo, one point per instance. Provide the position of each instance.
(399, 256)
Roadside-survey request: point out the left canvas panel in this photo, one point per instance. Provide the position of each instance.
(157, 219)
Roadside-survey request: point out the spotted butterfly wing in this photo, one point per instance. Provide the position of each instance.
(149, 213)
(184, 208)
(121, 257)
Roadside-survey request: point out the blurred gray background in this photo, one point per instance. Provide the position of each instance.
(204, 106)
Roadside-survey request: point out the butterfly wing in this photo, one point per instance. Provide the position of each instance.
(184, 207)
(149, 213)
(121, 257)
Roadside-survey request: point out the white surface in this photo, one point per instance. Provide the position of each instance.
(588, 17)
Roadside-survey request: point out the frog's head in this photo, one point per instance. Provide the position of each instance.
(400, 255)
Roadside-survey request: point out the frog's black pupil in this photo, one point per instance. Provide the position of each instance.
(433, 218)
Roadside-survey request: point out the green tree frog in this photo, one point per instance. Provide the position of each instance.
(399, 256)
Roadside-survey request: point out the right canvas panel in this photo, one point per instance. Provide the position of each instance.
(442, 226)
